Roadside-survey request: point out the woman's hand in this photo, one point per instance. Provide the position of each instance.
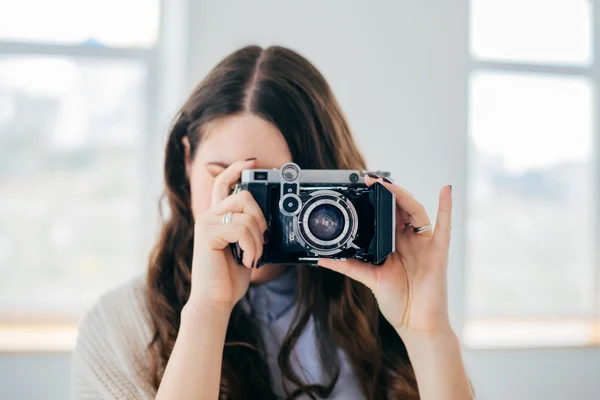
(410, 286)
(217, 279)
(411, 290)
(218, 282)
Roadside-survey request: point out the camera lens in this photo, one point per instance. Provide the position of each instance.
(290, 173)
(326, 222)
(353, 177)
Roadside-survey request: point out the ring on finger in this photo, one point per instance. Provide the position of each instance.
(423, 229)
(227, 217)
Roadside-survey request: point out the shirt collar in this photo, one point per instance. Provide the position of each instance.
(270, 300)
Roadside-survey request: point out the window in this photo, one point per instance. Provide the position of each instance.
(532, 264)
(110, 23)
(75, 83)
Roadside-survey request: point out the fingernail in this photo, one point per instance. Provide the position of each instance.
(258, 263)
(266, 236)
(388, 180)
(250, 159)
(253, 264)
(450, 188)
(370, 175)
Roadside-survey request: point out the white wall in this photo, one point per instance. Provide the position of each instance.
(399, 70)
(35, 377)
(548, 374)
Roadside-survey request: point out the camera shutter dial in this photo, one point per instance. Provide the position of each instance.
(290, 172)
(290, 204)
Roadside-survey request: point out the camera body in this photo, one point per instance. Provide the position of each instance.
(321, 213)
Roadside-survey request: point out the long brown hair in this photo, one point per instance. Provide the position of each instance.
(285, 89)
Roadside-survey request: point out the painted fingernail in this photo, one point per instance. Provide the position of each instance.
(450, 188)
(250, 159)
(370, 175)
(258, 263)
(253, 264)
(388, 180)
(266, 236)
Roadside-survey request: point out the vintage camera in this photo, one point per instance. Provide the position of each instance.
(321, 213)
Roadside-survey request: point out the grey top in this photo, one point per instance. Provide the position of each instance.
(273, 303)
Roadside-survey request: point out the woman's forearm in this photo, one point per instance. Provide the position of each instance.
(437, 361)
(194, 368)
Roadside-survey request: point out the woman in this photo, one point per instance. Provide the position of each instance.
(203, 327)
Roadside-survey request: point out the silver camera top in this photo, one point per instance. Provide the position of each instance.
(291, 172)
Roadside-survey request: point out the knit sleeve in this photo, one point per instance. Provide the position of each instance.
(110, 360)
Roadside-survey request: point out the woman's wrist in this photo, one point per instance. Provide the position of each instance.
(443, 334)
(194, 367)
(436, 358)
(211, 313)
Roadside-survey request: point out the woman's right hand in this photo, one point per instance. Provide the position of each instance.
(217, 279)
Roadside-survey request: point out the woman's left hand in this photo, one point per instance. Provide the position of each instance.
(410, 286)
